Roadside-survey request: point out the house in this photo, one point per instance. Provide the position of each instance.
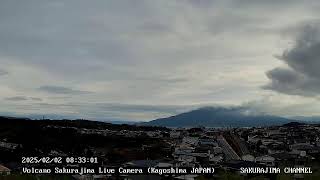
(248, 157)
(265, 160)
(4, 170)
(175, 134)
(190, 140)
(164, 164)
(185, 161)
(183, 149)
(254, 139)
(207, 141)
(301, 146)
(285, 157)
(217, 150)
(215, 159)
(153, 134)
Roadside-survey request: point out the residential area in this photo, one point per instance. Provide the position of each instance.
(227, 150)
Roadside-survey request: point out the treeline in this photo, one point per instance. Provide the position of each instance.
(11, 122)
(42, 137)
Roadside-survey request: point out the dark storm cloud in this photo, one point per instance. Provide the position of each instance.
(16, 98)
(61, 90)
(302, 76)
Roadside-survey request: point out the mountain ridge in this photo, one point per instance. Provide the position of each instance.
(219, 117)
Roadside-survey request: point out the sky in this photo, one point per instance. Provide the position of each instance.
(142, 60)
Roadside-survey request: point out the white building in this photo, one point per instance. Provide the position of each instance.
(248, 157)
(266, 160)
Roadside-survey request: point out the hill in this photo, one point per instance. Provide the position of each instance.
(218, 117)
(21, 137)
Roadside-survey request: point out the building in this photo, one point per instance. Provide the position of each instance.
(248, 157)
(266, 160)
(4, 170)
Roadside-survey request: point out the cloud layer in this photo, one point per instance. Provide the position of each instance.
(3, 72)
(144, 60)
(16, 98)
(61, 90)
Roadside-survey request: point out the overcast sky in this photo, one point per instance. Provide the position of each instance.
(141, 60)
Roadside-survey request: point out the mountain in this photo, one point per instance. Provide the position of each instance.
(310, 119)
(123, 122)
(218, 117)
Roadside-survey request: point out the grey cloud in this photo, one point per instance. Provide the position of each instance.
(17, 98)
(122, 108)
(61, 90)
(302, 76)
(3, 72)
(168, 109)
(283, 105)
(23, 98)
(107, 111)
(142, 52)
(36, 99)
